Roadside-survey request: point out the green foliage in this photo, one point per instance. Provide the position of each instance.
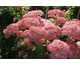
(7, 46)
(39, 49)
(24, 47)
(31, 54)
(25, 56)
(75, 43)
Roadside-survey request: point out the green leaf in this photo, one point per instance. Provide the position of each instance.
(14, 12)
(23, 53)
(24, 47)
(68, 39)
(31, 54)
(60, 23)
(33, 43)
(25, 56)
(54, 22)
(39, 49)
(75, 43)
(22, 43)
(41, 57)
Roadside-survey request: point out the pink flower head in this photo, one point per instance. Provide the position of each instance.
(33, 13)
(60, 19)
(40, 31)
(57, 12)
(13, 28)
(53, 30)
(27, 22)
(59, 49)
(72, 29)
(75, 20)
(7, 33)
(19, 33)
(28, 35)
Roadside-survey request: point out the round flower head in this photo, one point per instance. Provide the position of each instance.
(40, 31)
(13, 27)
(72, 29)
(11, 30)
(28, 35)
(53, 30)
(60, 19)
(54, 12)
(34, 14)
(59, 47)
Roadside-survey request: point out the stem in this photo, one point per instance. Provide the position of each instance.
(78, 14)
(46, 12)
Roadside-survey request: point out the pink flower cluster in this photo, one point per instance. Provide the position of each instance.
(75, 20)
(38, 30)
(34, 13)
(72, 29)
(33, 28)
(59, 49)
(53, 30)
(59, 19)
(11, 30)
(54, 12)
(60, 14)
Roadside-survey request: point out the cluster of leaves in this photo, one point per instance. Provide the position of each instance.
(7, 15)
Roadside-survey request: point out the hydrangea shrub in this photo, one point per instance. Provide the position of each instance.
(41, 39)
